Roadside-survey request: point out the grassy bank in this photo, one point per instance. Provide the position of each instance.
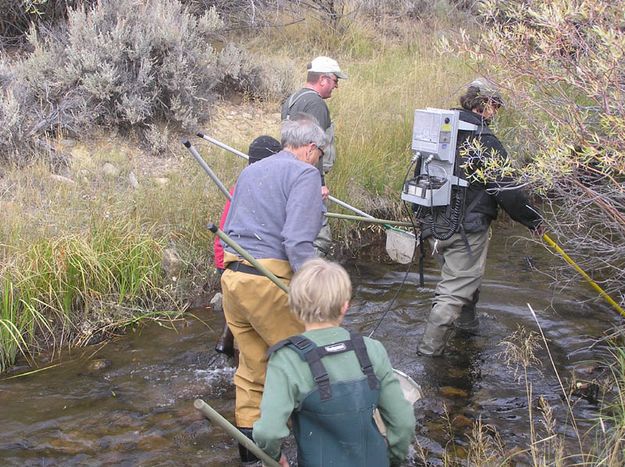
(73, 238)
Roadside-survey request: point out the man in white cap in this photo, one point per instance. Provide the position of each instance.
(323, 77)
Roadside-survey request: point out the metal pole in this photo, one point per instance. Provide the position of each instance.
(218, 419)
(593, 284)
(370, 219)
(223, 145)
(349, 207)
(245, 156)
(253, 261)
(206, 168)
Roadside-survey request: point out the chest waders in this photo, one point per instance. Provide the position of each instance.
(334, 424)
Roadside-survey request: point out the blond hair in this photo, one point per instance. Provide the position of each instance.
(319, 290)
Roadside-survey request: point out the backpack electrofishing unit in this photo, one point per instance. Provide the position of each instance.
(436, 192)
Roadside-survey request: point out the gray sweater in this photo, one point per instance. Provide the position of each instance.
(276, 209)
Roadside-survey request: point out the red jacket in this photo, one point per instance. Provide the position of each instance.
(218, 249)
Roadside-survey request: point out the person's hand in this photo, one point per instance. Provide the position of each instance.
(284, 462)
(325, 192)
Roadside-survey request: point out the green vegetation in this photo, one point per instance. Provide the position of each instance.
(62, 284)
(390, 75)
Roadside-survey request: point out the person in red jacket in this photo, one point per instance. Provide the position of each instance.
(261, 147)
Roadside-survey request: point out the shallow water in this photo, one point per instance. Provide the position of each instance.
(130, 401)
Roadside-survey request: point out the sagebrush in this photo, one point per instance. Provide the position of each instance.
(123, 64)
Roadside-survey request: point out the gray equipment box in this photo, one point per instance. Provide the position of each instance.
(434, 136)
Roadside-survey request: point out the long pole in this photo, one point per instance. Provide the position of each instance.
(588, 279)
(206, 168)
(371, 220)
(218, 419)
(223, 146)
(350, 207)
(236, 152)
(253, 261)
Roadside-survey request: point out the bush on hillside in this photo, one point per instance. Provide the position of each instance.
(561, 64)
(16, 17)
(122, 64)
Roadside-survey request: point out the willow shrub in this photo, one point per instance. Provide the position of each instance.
(560, 65)
(46, 289)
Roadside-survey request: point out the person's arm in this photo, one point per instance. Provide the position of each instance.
(276, 406)
(396, 411)
(303, 217)
(512, 199)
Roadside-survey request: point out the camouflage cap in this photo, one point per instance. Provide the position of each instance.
(488, 89)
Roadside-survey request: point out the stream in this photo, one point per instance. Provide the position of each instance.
(129, 401)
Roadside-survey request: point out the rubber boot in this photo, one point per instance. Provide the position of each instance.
(225, 343)
(434, 340)
(438, 330)
(247, 458)
(468, 322)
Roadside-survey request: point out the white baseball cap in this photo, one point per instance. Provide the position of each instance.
(326, 65)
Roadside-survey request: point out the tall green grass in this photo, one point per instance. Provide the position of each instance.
(56, 281)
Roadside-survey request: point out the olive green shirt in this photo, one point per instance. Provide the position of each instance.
(289, 381)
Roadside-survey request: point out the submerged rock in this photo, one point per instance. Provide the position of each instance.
(451, 392)
(461, 421)
(98, 364)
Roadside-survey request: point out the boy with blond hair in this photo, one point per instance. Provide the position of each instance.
(329, 381)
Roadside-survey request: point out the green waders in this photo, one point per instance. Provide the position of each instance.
(461, 277)
(334, 424)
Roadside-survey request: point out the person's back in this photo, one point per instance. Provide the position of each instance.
(462, 244)
(308, 101)
(272, 222)
(333, 423)
(330, 381)
(260, 148)
(279, 193)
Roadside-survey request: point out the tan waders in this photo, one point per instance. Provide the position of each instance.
(258, 315)
(461, 277)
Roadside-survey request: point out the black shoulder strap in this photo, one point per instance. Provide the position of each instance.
(311, 354)
(364, 360)
(277, 346)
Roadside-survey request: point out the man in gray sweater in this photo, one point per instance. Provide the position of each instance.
(275, 215)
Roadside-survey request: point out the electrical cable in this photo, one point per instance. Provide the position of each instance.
(390, 306)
